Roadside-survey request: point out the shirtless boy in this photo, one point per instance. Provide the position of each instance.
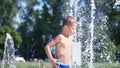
(63, 43)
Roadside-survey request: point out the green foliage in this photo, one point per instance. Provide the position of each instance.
(1, 53)
(42, 32)
(15, 35)
(57, 15)
(113, 22)
(44, 23)
(8, 10)
(103, 44)
(27, 15)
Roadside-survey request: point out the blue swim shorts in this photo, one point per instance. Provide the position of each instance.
(63, 65)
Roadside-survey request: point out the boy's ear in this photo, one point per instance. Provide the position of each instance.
(65, 26)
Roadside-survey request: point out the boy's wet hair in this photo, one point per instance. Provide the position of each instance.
(68, 20)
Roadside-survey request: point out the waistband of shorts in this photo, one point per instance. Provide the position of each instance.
(64, 64)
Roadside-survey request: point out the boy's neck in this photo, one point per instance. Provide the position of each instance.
(64, 34)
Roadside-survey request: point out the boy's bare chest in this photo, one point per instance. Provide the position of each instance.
(66, 42)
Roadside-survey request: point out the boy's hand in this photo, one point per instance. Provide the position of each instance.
(54, 63)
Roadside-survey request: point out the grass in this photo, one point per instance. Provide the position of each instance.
(106, 65)
(47, 65)
(31, 65)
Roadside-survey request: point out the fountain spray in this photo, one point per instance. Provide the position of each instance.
(9, 53)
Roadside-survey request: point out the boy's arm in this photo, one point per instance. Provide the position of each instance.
(48, 51)
(49, 45)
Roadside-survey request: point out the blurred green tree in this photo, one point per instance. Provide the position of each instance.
(113, 22)
(15, 35)
(27, 17)
(38, 26)
(8, 11)
(42, 32)
(109, 30)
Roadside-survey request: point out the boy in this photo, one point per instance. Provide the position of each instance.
(63, 43)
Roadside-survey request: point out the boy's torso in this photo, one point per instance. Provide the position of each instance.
(63, 49)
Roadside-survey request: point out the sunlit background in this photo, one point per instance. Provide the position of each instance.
(33, 23)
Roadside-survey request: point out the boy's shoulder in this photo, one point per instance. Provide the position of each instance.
(59, 36)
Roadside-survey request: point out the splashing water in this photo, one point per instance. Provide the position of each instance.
(76, 49)
(73, 9)
(92, 33)
(117, 5)
(9, 53)
(86, 41)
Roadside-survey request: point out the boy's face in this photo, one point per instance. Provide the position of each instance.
(71, 29)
